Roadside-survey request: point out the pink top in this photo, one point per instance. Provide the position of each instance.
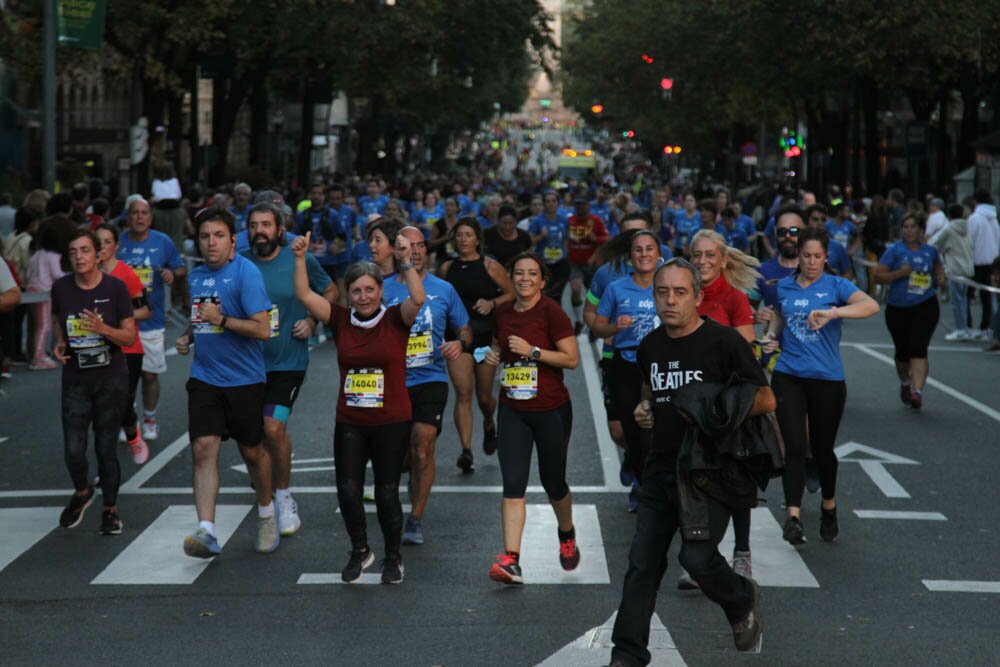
(44, 268)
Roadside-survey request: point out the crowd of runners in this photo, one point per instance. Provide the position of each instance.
(697, 297)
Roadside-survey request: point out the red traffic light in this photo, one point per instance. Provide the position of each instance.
(647, 59)
(597, 108)
(668, 150)
(666, 83)
(630, 134)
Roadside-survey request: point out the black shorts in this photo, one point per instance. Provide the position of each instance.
(228, 412)
(912, 328)
(280, 394)
(428, 401)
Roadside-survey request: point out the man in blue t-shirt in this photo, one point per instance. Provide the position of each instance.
(155, 260)
(548, 232)
(374, 201)
(229, 322)
(426, 373)
(286, 351)
(787, 228)
(330, 242)
(837, 256)
(240, 209)
(687, 222)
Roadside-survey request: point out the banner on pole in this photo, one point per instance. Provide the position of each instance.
(81, 23)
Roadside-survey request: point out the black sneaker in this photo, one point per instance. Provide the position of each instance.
(490, 441)
(793, 532)
(828, 526)
(392, 569)
(73, 514)
(111, 524)
(748, 634)
(465, 461)
(360, 560)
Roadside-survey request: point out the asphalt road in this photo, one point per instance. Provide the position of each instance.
(873, 597)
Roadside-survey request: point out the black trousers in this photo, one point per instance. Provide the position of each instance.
(129, 417)
(625, 385)
(101, 403)
(657, 521)
(981, 274)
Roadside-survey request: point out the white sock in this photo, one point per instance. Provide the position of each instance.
(149, 414)
(209, 526)
(265, 511)
(283, 495)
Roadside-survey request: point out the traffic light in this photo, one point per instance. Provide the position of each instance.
(672, 150)
(545, 102)
(647, 59)
(628, 134)
(597, 108)
(666, 83)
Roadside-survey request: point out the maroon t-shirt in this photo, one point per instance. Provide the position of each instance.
(541, 326)
(91, 356)
(372, 369)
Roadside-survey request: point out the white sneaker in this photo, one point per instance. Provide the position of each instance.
(288, 517)
(957, 335)
(150, 429)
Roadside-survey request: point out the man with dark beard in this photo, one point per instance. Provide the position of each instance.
(789, 221)
(286, 351)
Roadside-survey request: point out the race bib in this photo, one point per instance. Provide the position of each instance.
(419, 349)
(274, 319)
(145, 274)
(79, 334)
(364, 388)
(520, 380)
(198, 325)
(919, 283)
(553, 254)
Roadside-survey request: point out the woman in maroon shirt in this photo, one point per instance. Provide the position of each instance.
(373, 408)
(534, 340)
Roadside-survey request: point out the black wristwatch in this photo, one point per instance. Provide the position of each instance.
(536, 353)
(222, 322)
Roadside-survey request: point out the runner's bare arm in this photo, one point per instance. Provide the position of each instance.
(317, 305)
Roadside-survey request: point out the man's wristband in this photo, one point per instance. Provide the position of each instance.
(222, 322)
(405, 267)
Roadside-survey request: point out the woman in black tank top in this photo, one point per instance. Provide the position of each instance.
(481, 283)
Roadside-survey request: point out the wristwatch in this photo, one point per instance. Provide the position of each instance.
(536, 353)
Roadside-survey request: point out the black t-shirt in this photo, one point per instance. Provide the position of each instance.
(91, 357)
(501, 249)
(711, 353)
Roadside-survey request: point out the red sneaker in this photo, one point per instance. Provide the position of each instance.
(506, 570)
(569, 555)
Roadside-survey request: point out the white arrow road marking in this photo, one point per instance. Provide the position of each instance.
(873, 465)
(890, 514)
(775, 562)
(593, 648)
(955, 586)
(160, 461)
(23, 527)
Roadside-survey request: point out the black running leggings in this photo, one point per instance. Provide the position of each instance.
(385, 445)
(130, 418)
(549, 432)
(101, 403)
(912, 327)
(821, 404)
(625, 385)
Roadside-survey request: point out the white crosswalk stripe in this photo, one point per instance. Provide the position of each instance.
(775, 562)
(22, 528)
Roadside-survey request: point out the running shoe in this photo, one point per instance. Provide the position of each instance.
(633, 498)
(748, 634)
(201, 544)
(569, 554)
(73, 514)
(111, 524)
(742, 565)
(506, 570)
(828, 526)
(359, 561)
(793, 532)
(288, 517)
(150, 429)
(413, 531)
(905, 394)
(812, 476)
(490, 441)
(686, 583)
(625, 474)
(139, 450)
(392, 569)
(465, 461)
(993, 349)
(268, 536)
(958, 335)
(43, 364)
(916, 399)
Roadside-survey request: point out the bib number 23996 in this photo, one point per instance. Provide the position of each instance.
(364, 388)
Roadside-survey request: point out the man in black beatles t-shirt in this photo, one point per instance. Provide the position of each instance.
(686, 349)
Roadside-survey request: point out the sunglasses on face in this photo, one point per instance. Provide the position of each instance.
(787, 231)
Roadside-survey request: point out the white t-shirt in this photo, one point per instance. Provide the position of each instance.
(166, 189)
(7, 281)
(936, 221)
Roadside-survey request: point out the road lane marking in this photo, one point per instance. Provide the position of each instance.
(932, 348)
(3, 440)
(885, 482)
(328, 578)
(893, 514)
(776, 563)
(23, 527)
(593, 648)
(540, 547)
(957, 586)
(874, 467)
(159, 462)
(237, 490)
(157, 556)
(607, 449)
(954, 393)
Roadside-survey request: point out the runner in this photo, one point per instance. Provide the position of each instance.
(373, 406)
(482, 285)
(441, 245)
(93, 314)
(426, 373)
(686, 223)
(286, 351)
(910, 268)
(154, 258)
(331, 236)
(107, 234)
(548, 233)
(226, 391)
(808, 378)
(839, 259)
(534, 340)
(382, 234)
(586, 232)
(682, 356)
(505, 240)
